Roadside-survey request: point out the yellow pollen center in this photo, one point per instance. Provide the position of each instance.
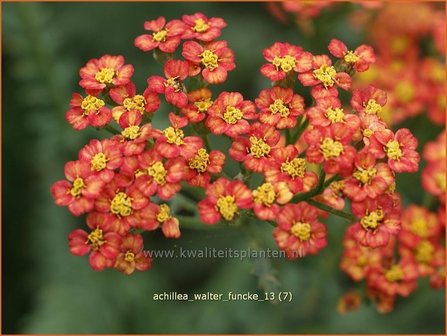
(209, 59)
(365, 175)
(264, 194)
(121, 205)
(158, 172)
(405, 91)
(98, 162)
(173, 82)
(393, 150)
(326, 75)
(424, 252)
(131, 132)
(200, 161)
(440, 181)
(226, 206)
(286, 63)
(372, 220)
(203, 105)
(350, 57)
(174, 135)
(295, 168)
(301, 230)
(129, 256)
(164, 214)
(160, 36)
(279, 107)
(335, 114)
(135, 103)
(200, 26)
(105, 75)
(232, 115)
(419, 227)
(362, 260)
(258, 147)
(76, 189)
(394, 274)
(95, 238)
(91, 103)
(331, 148)
(367, 132)
(372, 107)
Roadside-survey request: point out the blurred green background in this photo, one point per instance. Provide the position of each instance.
(46, 290)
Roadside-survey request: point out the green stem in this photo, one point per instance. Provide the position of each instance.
(311, 193)
(331, 210)
(111, 129)
(301, 128)
(206, 142)
(288, 137)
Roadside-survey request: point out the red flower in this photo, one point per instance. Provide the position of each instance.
(81, 189)
(279, 107)
(128, 99)
(370, 100)
(283, 59)
(379, 220)
(103, 245)
(199, 102)
(360, 59)
(108, 71)
(199, 27)
(160, 215)
(228, 114)
(369, 179)
(333, 195)
(165, 37)
(418, 224)
(215, 58)
(298, 232)
(323, 75)
(132, 256)
(254, 149)
(202, 165)
(224, 199)
(103, 156)
(400, 149)
(172, 86)
(87, 111)
(286, 166)
(434, 179)
(133, 135)
(265, 198)
(369, 124)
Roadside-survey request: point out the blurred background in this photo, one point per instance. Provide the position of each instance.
(47, 290)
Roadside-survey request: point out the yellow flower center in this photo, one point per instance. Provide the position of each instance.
(405, 91)
(424, 252)
(371, 221)
(372, 107)
(226, 206)
(158, 172)
(301, 230)
(160, 36)
(365, 175)
(209, 59)
(98, 161)
(105, 75)
(121, 205)
(326, 75)
(335, 114)
(367, 132)
(362, 260)
(393, 150)
(174, 135)
(295, 168)
(91, 103)
(279, 107)
(350, 57)
(394, 274)
(331, 148)
(258, 147)
(419, 227)
(232, 115)
(440, 181)
(135, 103)
(200, 26)
(164, 214)
(129, 256)
(131, 132)
(286, 63)
(264, 194)
(173, 82)
(95, 238)
(203, 105)
(76, 189)
(200, 161)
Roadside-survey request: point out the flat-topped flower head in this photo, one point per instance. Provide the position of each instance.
(164, 36)
(360, 59)
(107, 71)
(88, 110)
(201, 28)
